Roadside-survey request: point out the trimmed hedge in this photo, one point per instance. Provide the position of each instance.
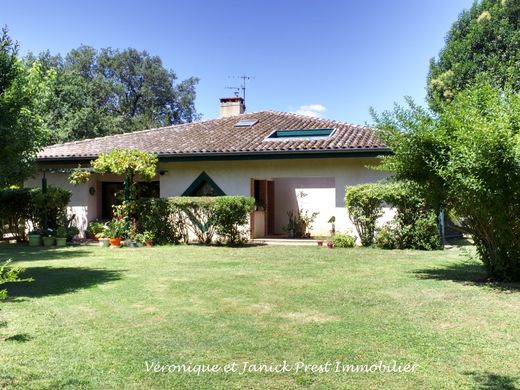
(172, 219)
(19, 207)
(413, 227)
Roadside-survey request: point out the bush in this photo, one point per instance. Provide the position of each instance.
(386, 237)
(18, 207)
(205, 216)
(415, 223)
(10, 275)
(199, 213)
(15, 211)
(344, 240)
(157, 216)
(364, 203)
(230, 215)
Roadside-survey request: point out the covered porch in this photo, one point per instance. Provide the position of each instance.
(277, 196)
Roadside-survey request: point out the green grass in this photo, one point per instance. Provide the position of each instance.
(94, 317)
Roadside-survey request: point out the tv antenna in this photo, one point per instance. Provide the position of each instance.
(242, 86)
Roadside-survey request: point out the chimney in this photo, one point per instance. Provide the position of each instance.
(231, 106)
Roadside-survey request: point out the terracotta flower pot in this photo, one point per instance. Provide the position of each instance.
(116, 241)
(330, 244)
(320, 242)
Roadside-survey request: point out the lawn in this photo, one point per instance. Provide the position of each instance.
(99, 318)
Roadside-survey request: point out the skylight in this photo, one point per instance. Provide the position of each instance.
(246, 122)
(300, 134)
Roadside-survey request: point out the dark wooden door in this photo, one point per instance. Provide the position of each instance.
(109, 191)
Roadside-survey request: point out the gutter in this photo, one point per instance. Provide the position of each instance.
(230, 156)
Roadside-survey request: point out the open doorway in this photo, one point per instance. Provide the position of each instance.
(263, 221)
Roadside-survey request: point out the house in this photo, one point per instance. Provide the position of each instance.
(286, 161)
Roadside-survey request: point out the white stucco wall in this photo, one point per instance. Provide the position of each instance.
(323, 180)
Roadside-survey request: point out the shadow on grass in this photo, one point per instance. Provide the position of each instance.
(465, 272)
(56, 281)
(488, 380)
(24, 252)
(19, 338)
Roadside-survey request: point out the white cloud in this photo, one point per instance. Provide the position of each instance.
(313, 110)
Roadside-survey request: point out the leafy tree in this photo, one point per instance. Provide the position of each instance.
(110, 91)
(466, 159)
(483, 42)
(130, 164)
(24, 91)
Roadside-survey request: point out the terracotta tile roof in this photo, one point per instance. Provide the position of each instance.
(220, 136)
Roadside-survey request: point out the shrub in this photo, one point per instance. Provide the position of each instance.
(230, 215)
(157, 216)
(30, 205)
(14, 211)
(344, 240)
(386, 237)
(364, 204)
(95, 227)
(51, 204)
(10, 275)
(415, 223)
(199, 215)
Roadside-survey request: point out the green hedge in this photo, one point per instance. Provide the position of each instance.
(157, 216)
(413, 227)
(19, 207)
(224, 215)
(172, 219)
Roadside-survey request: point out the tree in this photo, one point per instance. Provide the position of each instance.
(24, 92)
(109, 91)
(130, 164)
(466, 159)
(483, 43)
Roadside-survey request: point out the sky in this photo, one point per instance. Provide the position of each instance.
(333, 59)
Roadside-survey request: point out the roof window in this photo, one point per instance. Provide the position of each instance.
(246, 122)
(300, 134)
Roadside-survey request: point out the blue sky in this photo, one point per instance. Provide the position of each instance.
(334, 58)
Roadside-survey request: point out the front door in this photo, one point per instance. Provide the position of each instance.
(109, 191)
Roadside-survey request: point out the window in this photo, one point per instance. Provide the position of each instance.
(300, 134)
(246, 122)
(203, 185)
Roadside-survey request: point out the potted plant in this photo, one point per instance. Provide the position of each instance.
(35, 238)
(104, 241)
(116, 230)
(320, 242)
(291, 225)
(94, 228)
(330, 244)
(332, 221)
(48, 238)
(148, 238)
(61, 236)
(139, 239)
